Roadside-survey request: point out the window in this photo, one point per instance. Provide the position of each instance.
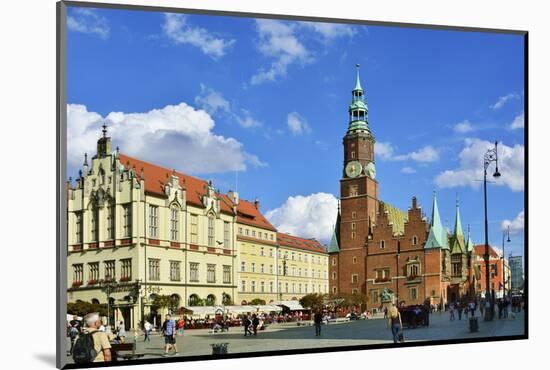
(374, 295)
(210, 273)
(261, 251)
(265, 236)
(333, 275)
(270, 252)
(293, 256)
(354, 291)
(271, 286)
(354, 278)
(211, 230)
(299, 271)
(353, 190)
(354, 260)
(253, 286)
(262, 286)
(271, 236)
(243, 286)
(226, 274)
(194, 229)
(353, 226)
(293, 271)
(300, 288)
(253, 233)
(193, 271)
(127, 220)
(93, 224)
(318, 260)
(412, 293)
(226, 234)
(456, 265)
(78, 227)
(243, 266)
(110, 222)
(300, 257)
(279, 269)
(153, 221)
(175, 271)
(353, 235)
(352, 154)
(94, 271)
(253, 267)
(413, 270)
(293, 287)
(126, 269)
(382, 244)
(305, 258)
(174, 223)
(246, 232)
(110, 270)
(240, 231)
(286, 287)
(382, 275)
(414, 240)
(271, 269)
(262, 268)
(154, 269)
(354, 215)
(78, 273)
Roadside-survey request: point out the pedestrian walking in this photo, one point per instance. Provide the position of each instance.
(169, 332)
(255, 323)
(246, 324)
(394, 322)
(459, 310)
(121, 332)
(92, 345)
(452, 311)
(180, 325)
(147, 328)
(317, 320)
(385, 312)
(472, 307)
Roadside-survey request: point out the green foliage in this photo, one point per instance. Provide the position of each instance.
(256, 302)
(81, 308)
(166, 301)
(313, 301)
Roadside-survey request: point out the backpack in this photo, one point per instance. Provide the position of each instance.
(84, 351)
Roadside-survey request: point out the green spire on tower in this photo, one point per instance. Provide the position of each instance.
(358, 110)
(458, 234)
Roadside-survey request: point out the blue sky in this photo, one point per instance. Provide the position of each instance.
(261, 106)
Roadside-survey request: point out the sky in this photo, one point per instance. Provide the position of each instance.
(260, 106)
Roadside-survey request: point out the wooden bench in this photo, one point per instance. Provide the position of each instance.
(124, 347)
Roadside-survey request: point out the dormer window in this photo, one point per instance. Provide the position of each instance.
(382, 244)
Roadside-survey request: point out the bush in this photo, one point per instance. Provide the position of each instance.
(81, 308)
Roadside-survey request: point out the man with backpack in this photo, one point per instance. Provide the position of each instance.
(92, 345)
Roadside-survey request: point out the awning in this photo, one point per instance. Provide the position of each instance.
(240, 309)
(268, 308)
(291, 305)
(201, 310)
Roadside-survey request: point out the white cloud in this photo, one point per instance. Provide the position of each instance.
(516, 225)
(176, 136)
(278, 41)
(463, 127)
(519, 121)
(297, 124)
(330, 31)
(502, 100)
(214, 102)
(88, 21)
(175, 27)
(311, 216)
(470, 171)
(386, 152)
(408, 170)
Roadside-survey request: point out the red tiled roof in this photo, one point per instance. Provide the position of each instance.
(156, 176)
(480, 251)
(287, 240)
(248, 214)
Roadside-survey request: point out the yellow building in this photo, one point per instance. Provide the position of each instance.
(136, 230)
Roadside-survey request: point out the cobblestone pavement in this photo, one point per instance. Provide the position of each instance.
(362, 332)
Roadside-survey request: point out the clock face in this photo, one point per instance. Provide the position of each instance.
(371, 170)
(353, 169)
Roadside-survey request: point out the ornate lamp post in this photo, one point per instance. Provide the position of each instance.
(507, 232)
(490, 156)
(108, 286)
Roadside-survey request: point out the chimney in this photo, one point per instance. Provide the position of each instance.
(257, 204)
(414, 203)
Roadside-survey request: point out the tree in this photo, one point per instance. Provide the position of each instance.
(166, 301)
(256, 302)
(313, 301)
(81, 308)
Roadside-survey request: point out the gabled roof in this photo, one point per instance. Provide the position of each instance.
(479, 250)
(287, 240)
(397, 218)
(157, 176)
(437, 237)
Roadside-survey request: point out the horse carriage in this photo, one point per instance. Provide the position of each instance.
(415, 316)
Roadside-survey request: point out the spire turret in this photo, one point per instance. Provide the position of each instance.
(437, 237)
(458, 235)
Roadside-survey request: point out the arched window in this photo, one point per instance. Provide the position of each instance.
(94, 212)
(95, 301)
(414, 240)
(210, 300)
(194, 300)
(174, 222)
(101, 176)
(211, 231)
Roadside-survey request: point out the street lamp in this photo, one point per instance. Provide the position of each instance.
(397, 276)
(490, 156)
(507, 232)
(108, 286)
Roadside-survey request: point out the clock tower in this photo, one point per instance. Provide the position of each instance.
(358, 196)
